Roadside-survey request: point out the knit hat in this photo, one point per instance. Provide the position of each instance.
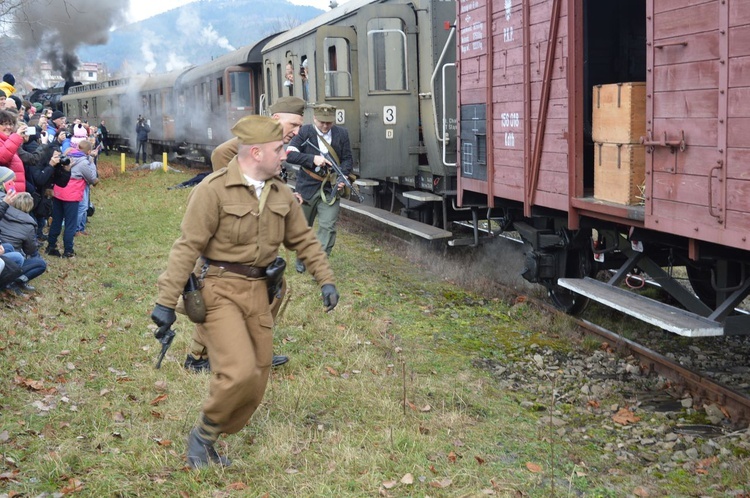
(38, 106)
(9, 79)
(6, 174)
(290, 105)
(57, 115)
(79, 134)
(254, 130)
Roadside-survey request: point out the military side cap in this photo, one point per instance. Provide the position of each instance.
(290, 105)
(252, 130)
(325, 113)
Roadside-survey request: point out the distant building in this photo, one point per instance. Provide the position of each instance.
(87, 72)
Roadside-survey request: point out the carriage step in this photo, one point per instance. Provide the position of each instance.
(396, 221)
(422, 196)
(664, 316)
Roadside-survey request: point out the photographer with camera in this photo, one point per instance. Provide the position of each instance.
(142, 129)
(66, 199)
(43, 171)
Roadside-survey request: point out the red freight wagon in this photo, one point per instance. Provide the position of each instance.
(614, 135)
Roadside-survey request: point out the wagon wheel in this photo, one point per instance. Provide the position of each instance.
(700, 277)
(578, 266)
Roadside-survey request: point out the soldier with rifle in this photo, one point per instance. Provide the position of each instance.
(235, 221)
(315, 148)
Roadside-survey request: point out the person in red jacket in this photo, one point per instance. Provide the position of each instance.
(12, 136)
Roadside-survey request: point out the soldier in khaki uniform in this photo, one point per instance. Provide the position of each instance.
(236, 219)
(289, 112)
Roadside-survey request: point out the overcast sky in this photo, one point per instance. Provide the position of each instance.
(142, 9)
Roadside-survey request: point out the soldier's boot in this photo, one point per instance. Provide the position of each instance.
(200, 445)
(197, 364)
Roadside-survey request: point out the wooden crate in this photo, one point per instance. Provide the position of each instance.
(619, 113)
(619, 172)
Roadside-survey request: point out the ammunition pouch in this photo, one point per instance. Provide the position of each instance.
(195, 307)
(275, 278)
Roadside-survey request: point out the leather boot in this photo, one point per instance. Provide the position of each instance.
(194, 364)
(201, 452)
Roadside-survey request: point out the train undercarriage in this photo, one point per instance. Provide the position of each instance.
(620, 266)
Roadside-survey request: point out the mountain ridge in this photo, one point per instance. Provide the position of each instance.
(194, 34)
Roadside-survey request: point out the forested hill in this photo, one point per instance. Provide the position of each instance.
(194, 34)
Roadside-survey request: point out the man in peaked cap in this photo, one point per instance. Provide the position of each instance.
(234, 223)
(288, 111)
(313, 148)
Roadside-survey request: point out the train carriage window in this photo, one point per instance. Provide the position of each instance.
(337, 67)
(303, 76)
(386, 50)
(239, 89)
(279, 80)
(206, 96)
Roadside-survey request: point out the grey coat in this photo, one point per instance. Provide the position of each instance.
(18, 228)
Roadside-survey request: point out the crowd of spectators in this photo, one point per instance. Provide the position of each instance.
(47, 167)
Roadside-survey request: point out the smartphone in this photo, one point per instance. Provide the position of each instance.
(31, 130)
(10, 186)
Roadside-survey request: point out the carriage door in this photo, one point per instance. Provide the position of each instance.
(693, 133)
(388, 92)
(336, 66)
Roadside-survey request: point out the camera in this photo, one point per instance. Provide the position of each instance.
(64, 160)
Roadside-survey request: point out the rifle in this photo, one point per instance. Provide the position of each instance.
(164, 335)
(337, 169)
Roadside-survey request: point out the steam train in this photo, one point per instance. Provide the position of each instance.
(607, 135)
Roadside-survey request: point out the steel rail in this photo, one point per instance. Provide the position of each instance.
(735, 405)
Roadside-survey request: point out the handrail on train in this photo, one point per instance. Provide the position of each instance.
(440, 136)
(445, 141)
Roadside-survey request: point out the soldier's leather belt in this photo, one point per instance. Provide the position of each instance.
(244, 270)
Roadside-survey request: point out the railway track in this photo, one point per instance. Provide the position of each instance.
(703, 389)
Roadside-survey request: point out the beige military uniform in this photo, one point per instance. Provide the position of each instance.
(224, 221)
(224, 153)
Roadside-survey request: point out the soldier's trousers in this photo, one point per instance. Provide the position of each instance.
(198, 346)
(327, 216)
(238, 332)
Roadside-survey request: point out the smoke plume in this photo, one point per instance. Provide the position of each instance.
(59, 27)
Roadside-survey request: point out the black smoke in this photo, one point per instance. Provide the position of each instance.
(59, 27)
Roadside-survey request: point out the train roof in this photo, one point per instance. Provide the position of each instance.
(249, 54)
(339, 12)
(106, 87)
(162, 80)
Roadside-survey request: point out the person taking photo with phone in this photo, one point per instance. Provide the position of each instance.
(12, 136)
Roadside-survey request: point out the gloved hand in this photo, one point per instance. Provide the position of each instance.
(163, 316)
(330, 296)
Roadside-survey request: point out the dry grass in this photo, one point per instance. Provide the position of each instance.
(85, 413)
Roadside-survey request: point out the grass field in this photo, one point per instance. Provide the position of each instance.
(380, 397)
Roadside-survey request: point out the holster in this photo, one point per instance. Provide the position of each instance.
(275, 278)
(195, 307)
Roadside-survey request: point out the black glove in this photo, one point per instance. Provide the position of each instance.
(163, 316)
(330, 296)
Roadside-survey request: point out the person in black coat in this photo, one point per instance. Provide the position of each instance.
(105, 138)
(142, 129)
(313, 149)
(44, 170)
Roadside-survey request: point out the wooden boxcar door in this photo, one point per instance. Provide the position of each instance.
(698, 119)
(517, 98)
(336, 73)
(388, 92)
